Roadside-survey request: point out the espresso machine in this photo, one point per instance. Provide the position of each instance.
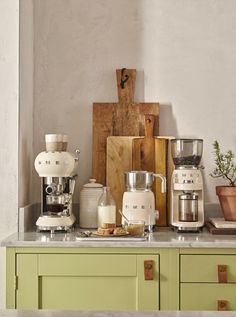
(138, 199)
(187, 197)
(58, 170)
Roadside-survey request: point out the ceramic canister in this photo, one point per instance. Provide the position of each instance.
(89, 197)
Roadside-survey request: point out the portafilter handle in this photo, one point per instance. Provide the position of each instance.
(163, 182)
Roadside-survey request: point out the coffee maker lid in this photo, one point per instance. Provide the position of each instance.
(92, 184)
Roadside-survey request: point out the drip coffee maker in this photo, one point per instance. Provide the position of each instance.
(58, 170)
(187, 212)
(138, 199)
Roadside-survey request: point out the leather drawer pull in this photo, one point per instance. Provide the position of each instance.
(222, 273)
(222, 305)
(148, 269)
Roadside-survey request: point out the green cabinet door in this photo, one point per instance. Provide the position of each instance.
(27, 281)
(87, 281)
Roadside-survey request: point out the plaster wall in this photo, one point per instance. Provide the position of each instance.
(26, 101)
(9, 93)
(184, 52)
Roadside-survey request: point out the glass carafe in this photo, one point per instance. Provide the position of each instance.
(106, 208)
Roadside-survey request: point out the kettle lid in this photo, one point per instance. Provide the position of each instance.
(92, 184)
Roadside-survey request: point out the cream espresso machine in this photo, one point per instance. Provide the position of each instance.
(58, 170)
(187, 197)
(138, 199)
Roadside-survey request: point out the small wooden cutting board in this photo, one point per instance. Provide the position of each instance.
(158, 161)
(144, 148)
(122, 118)
(123, 156)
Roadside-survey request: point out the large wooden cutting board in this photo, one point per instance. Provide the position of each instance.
(122, 118)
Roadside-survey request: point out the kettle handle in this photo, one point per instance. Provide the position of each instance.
(163, 182)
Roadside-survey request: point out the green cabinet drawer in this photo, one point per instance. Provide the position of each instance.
(204, 296)
(204, 268)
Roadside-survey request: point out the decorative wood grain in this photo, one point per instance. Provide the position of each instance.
(119, 161)
(124, 118)
(161, 164)
(123, 155)
(161, 147)
(144, 148)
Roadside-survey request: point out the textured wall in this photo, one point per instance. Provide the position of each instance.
(9, 41)
(26, 60)
(184, 51)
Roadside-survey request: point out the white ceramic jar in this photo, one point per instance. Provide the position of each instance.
(89, 197)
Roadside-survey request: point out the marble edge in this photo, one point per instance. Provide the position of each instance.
(168, 239)
(77, 313)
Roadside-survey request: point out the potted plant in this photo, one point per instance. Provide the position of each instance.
(226, 169)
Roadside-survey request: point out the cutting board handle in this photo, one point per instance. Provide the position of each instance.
(126, 85)
(149, 125)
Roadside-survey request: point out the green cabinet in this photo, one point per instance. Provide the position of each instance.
(88, 279)
(204, 285)
(114, 278)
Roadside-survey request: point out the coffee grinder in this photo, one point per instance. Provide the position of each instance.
(187, 197)
(58, 170)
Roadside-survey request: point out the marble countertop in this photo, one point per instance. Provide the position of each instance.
(71, 313)
(162, 238)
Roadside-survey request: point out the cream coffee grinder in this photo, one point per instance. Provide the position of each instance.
(187, 199)
(58, 170)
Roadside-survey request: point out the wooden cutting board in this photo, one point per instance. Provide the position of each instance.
(122, 157)
(144, 148)
(161, 164)
(122, 118)
(119, 161)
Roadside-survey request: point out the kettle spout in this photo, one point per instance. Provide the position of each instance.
(163, 182)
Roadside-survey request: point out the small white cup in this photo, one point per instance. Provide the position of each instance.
(53, 142)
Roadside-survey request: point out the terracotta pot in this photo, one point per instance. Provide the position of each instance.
(227, 198)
